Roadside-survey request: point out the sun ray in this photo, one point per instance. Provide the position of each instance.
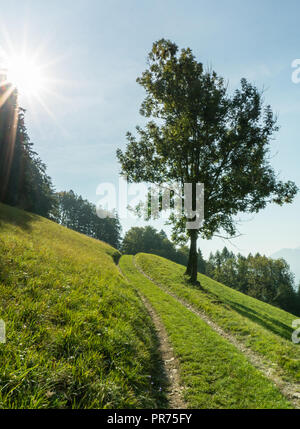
(5, 96)
(10, 133)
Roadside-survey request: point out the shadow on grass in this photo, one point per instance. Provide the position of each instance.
(265, 321)
(16, 217)
(159, 377)
(159, 383)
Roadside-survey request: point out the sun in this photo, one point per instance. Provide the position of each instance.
(31, 73)
(25, 75)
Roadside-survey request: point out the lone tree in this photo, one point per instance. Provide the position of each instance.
(202, 134)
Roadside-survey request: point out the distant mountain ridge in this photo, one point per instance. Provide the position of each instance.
(292, 257)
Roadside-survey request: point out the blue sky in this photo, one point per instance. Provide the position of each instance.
(97, 49)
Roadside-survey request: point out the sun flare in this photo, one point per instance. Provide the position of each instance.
(25, 75)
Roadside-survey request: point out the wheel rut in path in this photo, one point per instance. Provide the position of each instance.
(169, 361)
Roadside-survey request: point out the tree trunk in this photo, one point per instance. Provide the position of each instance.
(192, 266)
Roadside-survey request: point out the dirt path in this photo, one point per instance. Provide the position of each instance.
(290, 390)
(170, 364)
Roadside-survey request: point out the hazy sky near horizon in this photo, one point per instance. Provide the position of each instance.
(96, 49)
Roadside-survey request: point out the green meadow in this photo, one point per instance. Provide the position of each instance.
(78, 334)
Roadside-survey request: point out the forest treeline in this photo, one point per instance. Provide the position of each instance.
(74, 212)
(267, 279)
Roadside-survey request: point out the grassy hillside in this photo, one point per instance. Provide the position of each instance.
(261, 327)
(213, 372)
(77, 335)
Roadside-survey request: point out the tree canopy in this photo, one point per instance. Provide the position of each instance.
(199, 133)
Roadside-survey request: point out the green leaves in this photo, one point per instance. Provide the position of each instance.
(198, 133)
(201, 134)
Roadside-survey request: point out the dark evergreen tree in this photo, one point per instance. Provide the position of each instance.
(23, 179)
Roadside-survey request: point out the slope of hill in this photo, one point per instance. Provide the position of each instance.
(258, 326)
(80, 335)
(245, 327)
(213, 372)
(77, 335)
(292, 257)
